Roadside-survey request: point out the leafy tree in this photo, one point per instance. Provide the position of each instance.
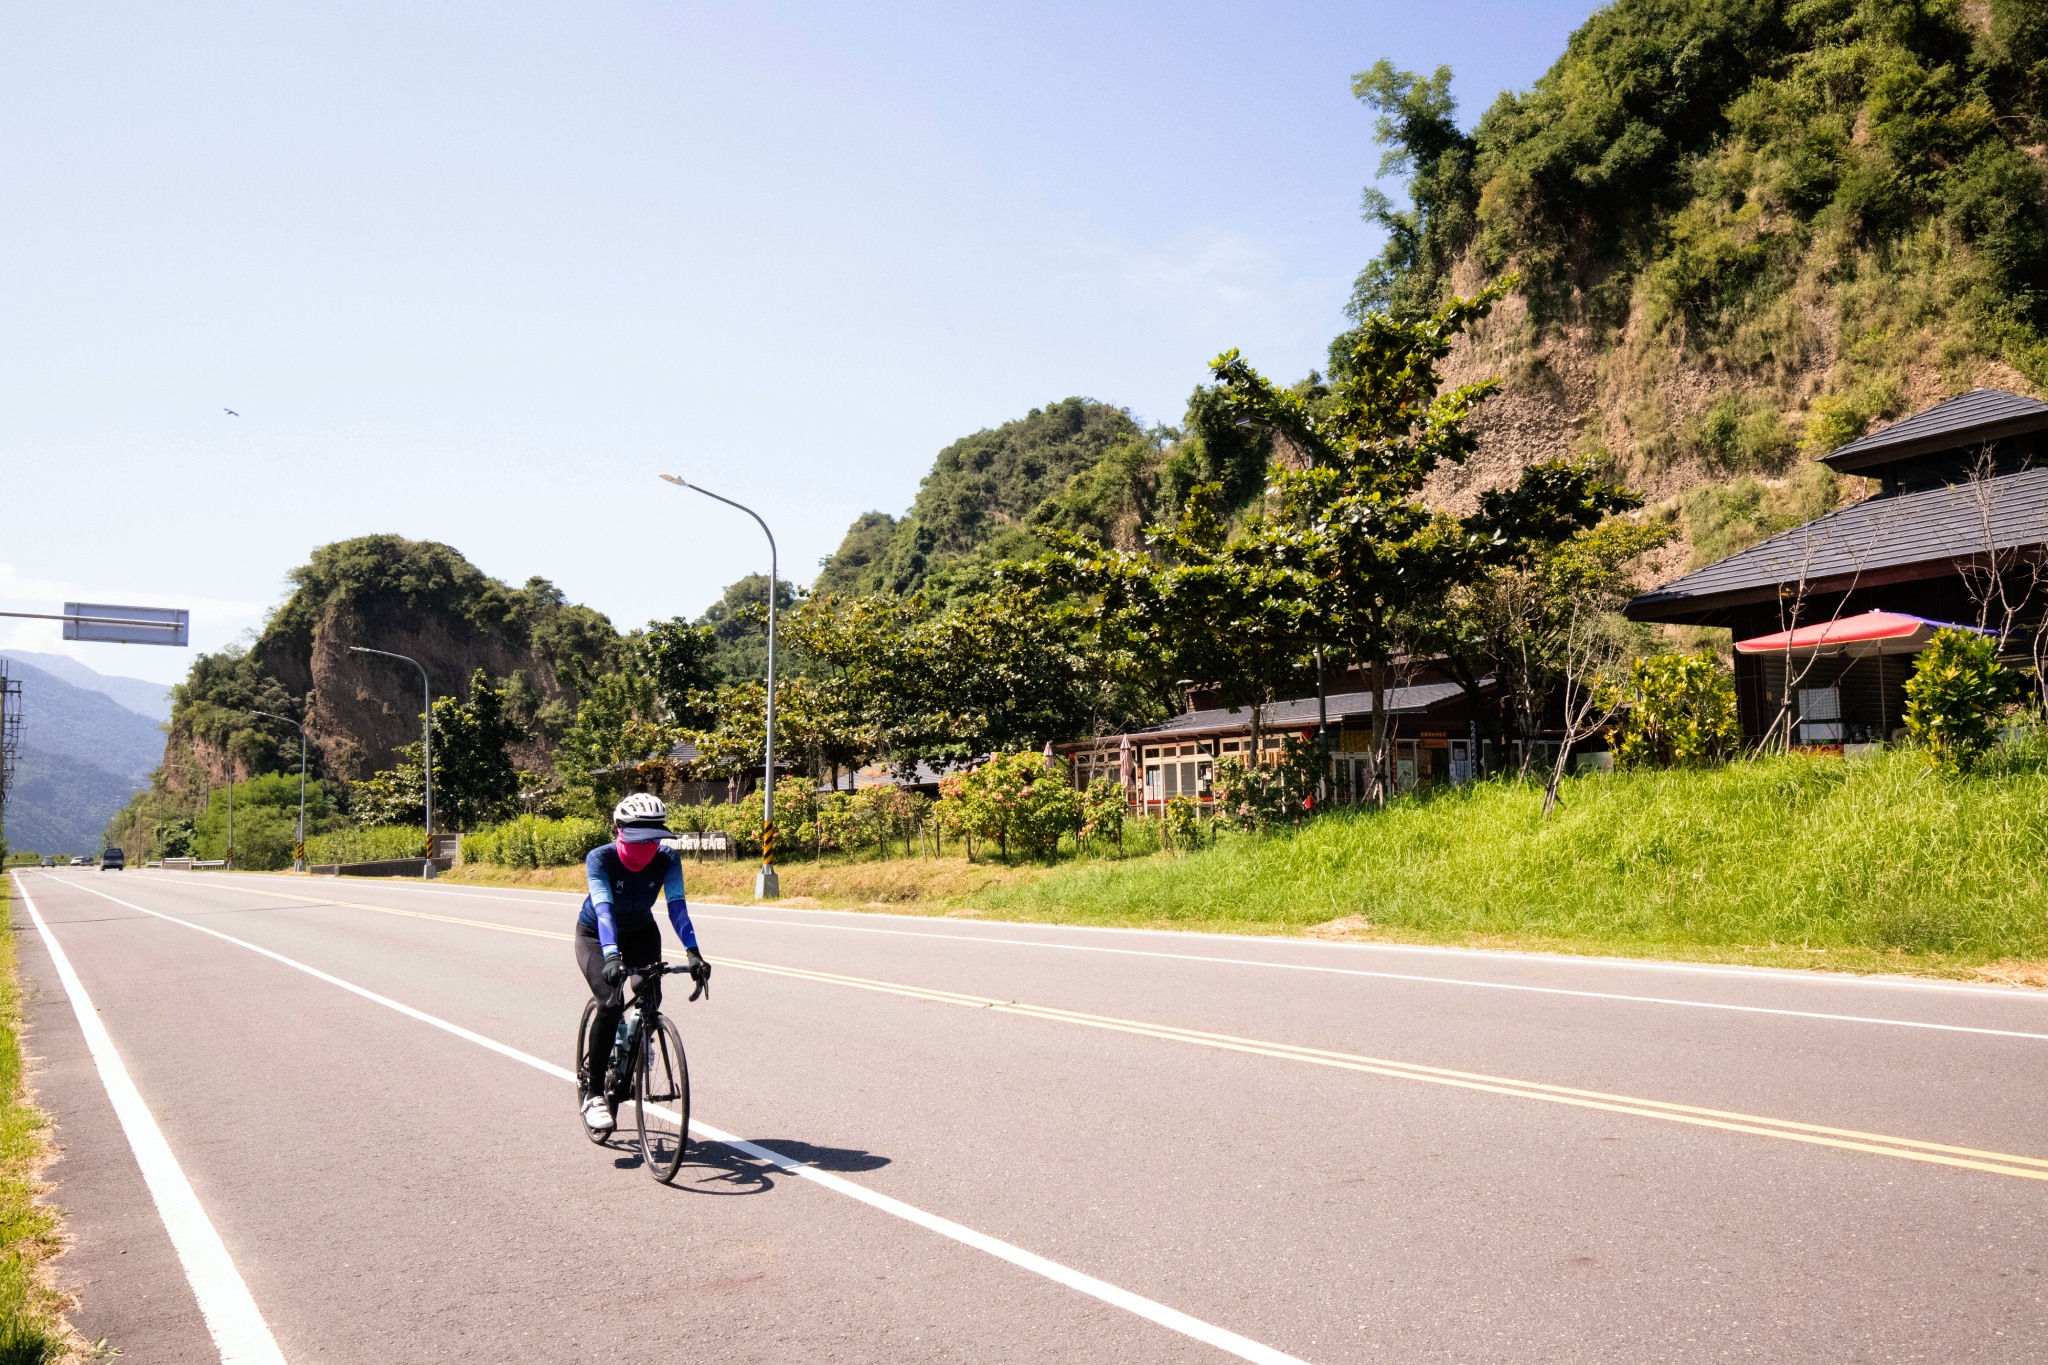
(1418, 127)
(1491, 619)
(1366, 565)
(1956, 697)
(680, 660)
(619, 722)
(475, 780)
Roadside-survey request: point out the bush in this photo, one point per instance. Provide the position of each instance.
(1103, 807)
(1020, 799)
(1182, 823)
(371, 845)
(1957, 696)
(1253, 798)
(530, 841)
(1681, 712)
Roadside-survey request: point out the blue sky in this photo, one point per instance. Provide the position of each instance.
(477, 272)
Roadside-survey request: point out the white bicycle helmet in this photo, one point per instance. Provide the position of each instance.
(641, 818)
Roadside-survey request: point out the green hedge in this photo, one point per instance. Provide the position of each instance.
(366, 845)
(533, 842)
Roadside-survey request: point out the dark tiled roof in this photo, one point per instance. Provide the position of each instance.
(1966, 420)
(1282, 715)
(1929, 526)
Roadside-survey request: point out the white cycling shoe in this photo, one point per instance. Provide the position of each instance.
(597, 1115)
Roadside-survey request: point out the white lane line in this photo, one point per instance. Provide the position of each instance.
(1467, 982)
(224, 1300)
(1244, 1348)
(983, 932)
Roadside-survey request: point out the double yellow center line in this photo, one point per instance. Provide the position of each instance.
(1819, 1135)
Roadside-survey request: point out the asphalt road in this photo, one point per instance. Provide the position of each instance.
(964, 1141)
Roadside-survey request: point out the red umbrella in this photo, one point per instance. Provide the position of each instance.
(1873, 634)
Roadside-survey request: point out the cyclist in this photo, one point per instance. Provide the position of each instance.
(616, 928)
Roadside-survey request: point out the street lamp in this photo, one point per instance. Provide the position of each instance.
(767, 886)
(299, 855)
(426, 750)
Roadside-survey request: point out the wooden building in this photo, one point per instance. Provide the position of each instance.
(1435, 741)
(1955, 533)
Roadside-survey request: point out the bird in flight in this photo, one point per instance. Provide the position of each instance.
(231, 412)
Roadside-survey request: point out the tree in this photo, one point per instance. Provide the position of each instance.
(1495, 620)
(620, 721)
(680, 661)
(1418, 126)
(1367, 564)
(475, 779)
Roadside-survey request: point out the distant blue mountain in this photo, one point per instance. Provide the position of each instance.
(58, 804)
(152, 699)
(82, 756)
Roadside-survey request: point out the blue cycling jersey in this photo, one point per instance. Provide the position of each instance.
(620, 897)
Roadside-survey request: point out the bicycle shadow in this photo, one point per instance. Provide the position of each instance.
(715, 1169)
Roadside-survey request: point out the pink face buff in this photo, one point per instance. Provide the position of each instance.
(636, 857)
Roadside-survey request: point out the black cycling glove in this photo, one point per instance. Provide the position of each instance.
(614, 970)
(700, 970)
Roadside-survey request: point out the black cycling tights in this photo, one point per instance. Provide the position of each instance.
(639, 949)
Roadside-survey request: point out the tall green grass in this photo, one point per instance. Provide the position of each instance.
(31, 1312)
(1880, 853)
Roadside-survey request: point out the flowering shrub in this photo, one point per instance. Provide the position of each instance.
(1253, 798)
(1018, 799)
(1103, 807)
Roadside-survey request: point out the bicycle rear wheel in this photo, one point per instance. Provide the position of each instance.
(661, 1100)
(583, 1064)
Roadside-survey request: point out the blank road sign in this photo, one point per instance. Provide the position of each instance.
(111, 624)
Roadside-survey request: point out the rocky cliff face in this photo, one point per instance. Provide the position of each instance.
(415, 598)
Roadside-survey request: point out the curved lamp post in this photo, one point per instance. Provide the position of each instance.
(426, 750)
(298, 857)
(767, 886)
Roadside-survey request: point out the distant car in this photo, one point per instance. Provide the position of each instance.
(113, 860)
(49, 862)
(81, 861)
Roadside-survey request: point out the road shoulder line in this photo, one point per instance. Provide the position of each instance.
(224, 1300)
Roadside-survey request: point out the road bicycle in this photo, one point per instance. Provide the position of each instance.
(655, 1075)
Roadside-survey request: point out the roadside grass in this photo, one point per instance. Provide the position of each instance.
(32, 1329)
(1876, 864)
(1868, 865)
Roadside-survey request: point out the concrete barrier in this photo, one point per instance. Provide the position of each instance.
(386, 867)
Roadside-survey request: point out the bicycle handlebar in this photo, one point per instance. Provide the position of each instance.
(671, 969)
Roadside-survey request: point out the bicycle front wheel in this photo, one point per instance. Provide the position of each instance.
(584, 1062)
(661, 1100)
